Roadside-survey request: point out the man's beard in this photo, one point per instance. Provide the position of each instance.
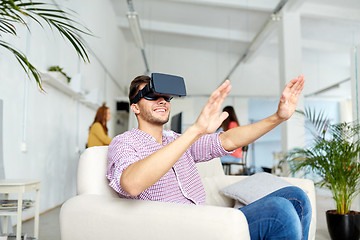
(147, 116)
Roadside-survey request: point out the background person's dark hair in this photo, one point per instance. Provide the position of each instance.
(100, 117)
(232, 117)
(134, 85)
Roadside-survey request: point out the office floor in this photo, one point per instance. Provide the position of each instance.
(323, 203)
(49, 226)
(50, 230)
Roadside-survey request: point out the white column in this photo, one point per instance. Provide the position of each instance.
(355, 96)
(355, 82)
(290, 62)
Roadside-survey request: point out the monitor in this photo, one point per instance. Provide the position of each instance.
(176, 123)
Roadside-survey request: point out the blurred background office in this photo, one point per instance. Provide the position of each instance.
(258, 45)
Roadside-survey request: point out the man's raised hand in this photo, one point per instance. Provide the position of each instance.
(210, 118)
(289, 98)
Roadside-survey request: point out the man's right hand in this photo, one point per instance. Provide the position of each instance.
(210, 118)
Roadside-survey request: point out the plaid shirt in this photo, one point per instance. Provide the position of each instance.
(181, 184)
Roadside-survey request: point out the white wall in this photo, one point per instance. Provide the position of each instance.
(53, 125)
(1, 140)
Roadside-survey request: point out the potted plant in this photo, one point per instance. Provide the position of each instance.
(59, 70)
(334, 156)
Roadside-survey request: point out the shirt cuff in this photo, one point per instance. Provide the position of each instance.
(221, 151)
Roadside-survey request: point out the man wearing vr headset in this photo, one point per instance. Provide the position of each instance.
(151, 163)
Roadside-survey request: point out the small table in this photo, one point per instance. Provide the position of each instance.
(20, 186)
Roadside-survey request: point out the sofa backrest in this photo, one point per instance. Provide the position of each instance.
(91, 177)
(214, 179)
(93, 164)
(210, 168)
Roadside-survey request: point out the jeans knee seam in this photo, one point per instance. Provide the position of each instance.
(302, 212)
(272, 219)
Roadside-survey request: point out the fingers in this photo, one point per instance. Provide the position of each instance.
(224, 91)
(221, 92)
(301, 84)
(210, 116)
(217, 98)
(223, 116)
(296, 85)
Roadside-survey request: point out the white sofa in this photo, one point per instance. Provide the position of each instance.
(98, 213)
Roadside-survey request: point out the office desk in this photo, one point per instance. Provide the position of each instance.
(19, 187)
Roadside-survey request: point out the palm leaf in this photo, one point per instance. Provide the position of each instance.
(25, 64)
(15, 11)
(319, 120)
(57, 18)
(10, 11)
(7, 27)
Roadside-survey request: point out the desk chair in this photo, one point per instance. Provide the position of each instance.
(243, 163)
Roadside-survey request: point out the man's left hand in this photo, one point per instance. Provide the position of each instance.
(289, 98)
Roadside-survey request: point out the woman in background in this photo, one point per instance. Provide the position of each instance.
(231, 122)
(98, 131)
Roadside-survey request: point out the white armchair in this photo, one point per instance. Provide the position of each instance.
(98, 213)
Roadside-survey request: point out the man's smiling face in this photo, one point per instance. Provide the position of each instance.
(154, 111)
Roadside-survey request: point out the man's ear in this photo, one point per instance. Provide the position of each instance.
(135, 108)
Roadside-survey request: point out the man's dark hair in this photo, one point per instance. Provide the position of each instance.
(134, 85)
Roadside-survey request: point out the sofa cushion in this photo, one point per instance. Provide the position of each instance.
(254, 187)
(212, 186)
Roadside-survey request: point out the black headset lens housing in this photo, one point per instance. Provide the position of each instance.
(162, 85)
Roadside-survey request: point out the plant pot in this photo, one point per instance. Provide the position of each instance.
(59, 76)
(343, 227)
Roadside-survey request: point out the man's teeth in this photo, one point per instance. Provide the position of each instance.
(160, 110)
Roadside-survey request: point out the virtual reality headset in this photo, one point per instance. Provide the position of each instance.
(162, 85)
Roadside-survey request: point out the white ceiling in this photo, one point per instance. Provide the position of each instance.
(329, 30)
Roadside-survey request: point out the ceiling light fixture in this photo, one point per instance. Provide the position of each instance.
(134, 24)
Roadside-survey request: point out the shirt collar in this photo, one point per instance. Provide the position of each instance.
(167, 135)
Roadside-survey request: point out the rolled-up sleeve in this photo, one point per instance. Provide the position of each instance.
(208, 147)
(120, 156)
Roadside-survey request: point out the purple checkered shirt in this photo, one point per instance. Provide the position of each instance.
(181, 184)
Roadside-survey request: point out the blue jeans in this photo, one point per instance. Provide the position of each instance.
(283, 214)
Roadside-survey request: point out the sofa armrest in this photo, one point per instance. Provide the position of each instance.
(305, 184)
(309, 187)
(99, 217)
